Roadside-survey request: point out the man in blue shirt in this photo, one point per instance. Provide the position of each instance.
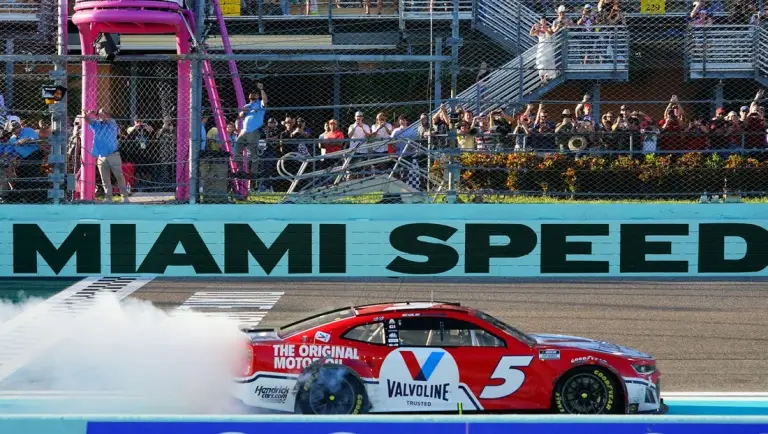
(24, 141)
(253, 121)
(105, 149)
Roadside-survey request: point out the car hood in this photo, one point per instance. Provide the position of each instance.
(565, 341)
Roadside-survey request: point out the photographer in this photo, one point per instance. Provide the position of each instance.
(672, 126)
(501, 127)
(564, 130)
(140, 153)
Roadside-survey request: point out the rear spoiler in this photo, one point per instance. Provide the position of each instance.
(245, 328)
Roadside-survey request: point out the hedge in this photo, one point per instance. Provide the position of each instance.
(649, 175)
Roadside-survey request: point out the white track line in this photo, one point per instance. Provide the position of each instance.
(28, 334)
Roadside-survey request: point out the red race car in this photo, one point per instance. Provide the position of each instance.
(438, 357)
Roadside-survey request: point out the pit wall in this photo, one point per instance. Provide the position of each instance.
(383, 425)
(535, 241)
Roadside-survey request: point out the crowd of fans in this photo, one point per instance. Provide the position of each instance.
(537, 129)
(150, 150)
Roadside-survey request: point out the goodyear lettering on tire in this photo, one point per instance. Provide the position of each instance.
(608, 386)
(358, 404)
(559, 402)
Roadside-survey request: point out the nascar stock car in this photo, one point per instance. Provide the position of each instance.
(432, 357)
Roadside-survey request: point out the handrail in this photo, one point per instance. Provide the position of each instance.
(425, 8)
(721, 47)
(504, 17)
(761, 57)
(605, 48)
(336, 166)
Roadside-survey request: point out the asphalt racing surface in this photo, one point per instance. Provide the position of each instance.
(708, 336)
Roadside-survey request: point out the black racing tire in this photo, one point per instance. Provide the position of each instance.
(331, 389)
(588, 390)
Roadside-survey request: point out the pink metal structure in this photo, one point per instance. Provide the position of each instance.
(149, 17)
(237, 85)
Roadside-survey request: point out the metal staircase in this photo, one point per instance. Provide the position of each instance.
(727, 52)
(507, 22)
(359, 171)
(579, 55)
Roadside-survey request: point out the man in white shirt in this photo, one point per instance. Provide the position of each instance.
(359, 132)
(382, 130)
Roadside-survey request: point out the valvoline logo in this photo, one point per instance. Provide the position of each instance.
(418, 371)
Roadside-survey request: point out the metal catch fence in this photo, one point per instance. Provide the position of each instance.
(502, 98)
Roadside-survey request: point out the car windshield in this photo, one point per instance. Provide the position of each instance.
(516, 333)
(315, 321)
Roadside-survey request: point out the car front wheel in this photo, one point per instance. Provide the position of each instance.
(331, 389)
(588, 390)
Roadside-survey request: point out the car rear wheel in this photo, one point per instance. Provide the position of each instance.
(331, 389)
(588, 390)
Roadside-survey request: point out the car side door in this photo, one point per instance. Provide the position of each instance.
(495, 372)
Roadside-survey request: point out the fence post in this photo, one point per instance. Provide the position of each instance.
(455, 49)
(196, 108)
(59, 109)
(438, 97)
(9, 75)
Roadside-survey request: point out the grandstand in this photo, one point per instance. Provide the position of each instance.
(663, 99)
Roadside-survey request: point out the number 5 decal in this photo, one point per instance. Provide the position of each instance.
(513, 378)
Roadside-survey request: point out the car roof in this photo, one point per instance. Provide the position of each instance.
(382, 308)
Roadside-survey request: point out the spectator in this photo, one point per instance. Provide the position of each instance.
(699, 16)
(733, 131)
(402, 132)
(649, 134)
(522, 133)
(484, 139)
(139, 153)
(754, 125)
(543, 131)
(359, 132)
(672, 126)
(757, 18)
(266, 167)
(465, 137)
(564, 130)
(696, 135)
(252, 115)
(719, 130)
(332, 138)
(604, 131)
(203, 131)
(583, 111)
(166, 139)
(561, 22)
(423, 130)
(545, 50)
(382, 131)
(105, 149)
(743, 112)
(26, 143)
(587, 18)
(501, 127)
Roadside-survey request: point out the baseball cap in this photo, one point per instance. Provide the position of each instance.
(561, 8)
(720, 110)
(359, 113)
(587, 6)
(744, 108)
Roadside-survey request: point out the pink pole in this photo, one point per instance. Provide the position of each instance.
(236, 83)
(87, 181)
(182, 115)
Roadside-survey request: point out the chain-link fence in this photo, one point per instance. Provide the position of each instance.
(422, 100)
